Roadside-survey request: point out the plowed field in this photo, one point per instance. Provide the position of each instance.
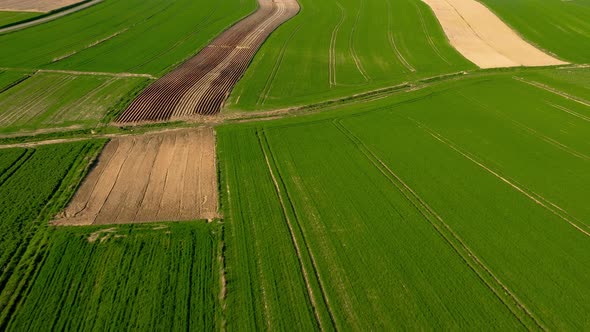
(149, 178)
(201, 85)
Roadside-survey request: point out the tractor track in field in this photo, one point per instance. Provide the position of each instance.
(333, 39)
(357, 60)
(533, 196)
(322, 325)
(201, 85)
(530, 130)
(554, 91)
(484, 273)
(269, 82)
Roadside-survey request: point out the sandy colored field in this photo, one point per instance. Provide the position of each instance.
(152, 177)
(483, 38)
(34, 5)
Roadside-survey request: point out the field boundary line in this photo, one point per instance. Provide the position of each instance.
(263, 142)
(567, 110)
(398, 54)
(528, 129)
(553, 90)
(536, 198)
(94, 43)
(483, 272)
(355, 57)
(333, 39)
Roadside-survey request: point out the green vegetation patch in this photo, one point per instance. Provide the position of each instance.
(441, 208)
(337, 48)
(54, 100)
(140, 277)
(560, 27)
(122, 36)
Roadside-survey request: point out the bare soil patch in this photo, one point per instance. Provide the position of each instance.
(41, 6)
(484, 39)
(200, 85)
(152, 177)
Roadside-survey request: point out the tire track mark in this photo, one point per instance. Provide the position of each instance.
(536, 198)
(484, 273)
(263, 141)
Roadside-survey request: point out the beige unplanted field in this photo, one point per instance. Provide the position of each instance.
(484, 39)
(34, 5)
(154, 177)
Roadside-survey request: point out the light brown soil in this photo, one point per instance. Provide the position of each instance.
(34, 5)
(152, 177)
(483, 38)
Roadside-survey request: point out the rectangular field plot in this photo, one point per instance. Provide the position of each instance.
(140, 277)
(158, 177)
(442, 209)
(49, 100)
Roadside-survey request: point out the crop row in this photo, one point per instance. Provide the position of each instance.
(31, 179)
(200, 85)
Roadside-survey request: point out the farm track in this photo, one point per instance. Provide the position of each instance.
(201, 84)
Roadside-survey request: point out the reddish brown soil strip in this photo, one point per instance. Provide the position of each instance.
(201, 84)
(153, 177)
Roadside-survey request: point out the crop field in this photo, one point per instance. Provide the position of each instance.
(7, 18)
(156, 177)
(122, 36)
(561, 27)
(295, 165)
(140, 277)
(334, 48)
(448, 181)
(200, 85)
(34, 184)
(50, 100)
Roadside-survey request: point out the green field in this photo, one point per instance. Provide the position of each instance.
(7, 18)
(54, 100)
(122, 36)
(486, 193)
(560, 27)
(335, 48)
(34, 185)
(142, 277)
(156, 276)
